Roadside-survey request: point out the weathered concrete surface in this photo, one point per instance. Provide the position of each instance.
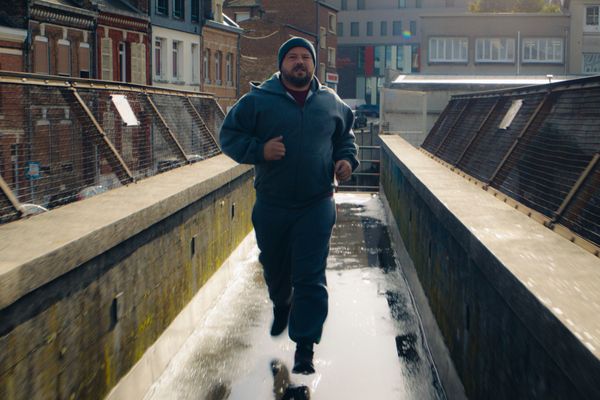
(87, 288)
(36, 250)
(372, 346)
(518, 304)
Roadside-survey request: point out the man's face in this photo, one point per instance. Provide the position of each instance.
(298, 67)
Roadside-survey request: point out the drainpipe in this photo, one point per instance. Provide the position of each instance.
(318, 36)
(237, 66)
(518, 49)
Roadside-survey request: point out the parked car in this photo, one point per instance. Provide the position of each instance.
(370, 110)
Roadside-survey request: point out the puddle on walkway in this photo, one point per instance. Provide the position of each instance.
(372, 346)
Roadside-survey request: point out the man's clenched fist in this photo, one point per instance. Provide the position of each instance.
(274, 149)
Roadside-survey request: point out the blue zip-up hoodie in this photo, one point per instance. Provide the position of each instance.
(315, 137)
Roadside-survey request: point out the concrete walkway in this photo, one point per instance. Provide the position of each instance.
(372, 346)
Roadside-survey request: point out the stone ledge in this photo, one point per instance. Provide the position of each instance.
(37, 250)
(551, 284)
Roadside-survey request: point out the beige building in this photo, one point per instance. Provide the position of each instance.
(495, 44)
(584, 50)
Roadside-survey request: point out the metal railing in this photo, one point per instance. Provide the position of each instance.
(366, 176)
(62, 140)
(536, 147)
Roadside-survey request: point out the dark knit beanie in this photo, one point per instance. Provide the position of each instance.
(296, 42)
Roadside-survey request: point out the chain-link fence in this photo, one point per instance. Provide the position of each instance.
(65, 140)
(538, 145)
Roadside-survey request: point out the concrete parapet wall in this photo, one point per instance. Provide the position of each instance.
(518, 305)
(85, 289)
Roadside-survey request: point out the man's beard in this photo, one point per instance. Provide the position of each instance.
(296, 80)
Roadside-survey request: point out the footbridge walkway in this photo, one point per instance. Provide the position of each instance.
(438, 289)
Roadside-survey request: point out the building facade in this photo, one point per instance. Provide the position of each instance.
(176, 44)
(267, 24)
(584, 49)
(61, 38)
(123, 39)
(220, 59)
(495, 44)
(379, 35)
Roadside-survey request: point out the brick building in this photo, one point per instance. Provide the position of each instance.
(220, 56)
(269, 23)
(61, 37)
(13, 36)
(122, 34)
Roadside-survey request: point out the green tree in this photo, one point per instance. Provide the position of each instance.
(512, 6)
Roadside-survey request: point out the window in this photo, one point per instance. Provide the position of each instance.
(448, 49)
(41, 62)
(360, 4)
(495, 50)
(383, 28)
(397, 28)
(195, 10)
(332, 23)
(369, 28)
(84, 60)
(331, 57)
(176, 60)
(592, 20)
(353, 28)
(107, 65)
(413, 28)
(122, 61)
(242, 16)
(323, 37)
(63, 64)
(159, 68)
(206, 65)
(195, 63)
(340, 29)
(138, 63)
(542, 50)
(401, 3)
(218, 62)
(418, 3)
(229, 69)
(162, 7)
(591, 63)
(178, 9)
(344, 4)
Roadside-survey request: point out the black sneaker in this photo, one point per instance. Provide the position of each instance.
(281, 314)
(303, 359)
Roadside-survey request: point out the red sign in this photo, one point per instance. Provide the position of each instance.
(331, 77)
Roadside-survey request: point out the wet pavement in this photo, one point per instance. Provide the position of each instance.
(372, 345)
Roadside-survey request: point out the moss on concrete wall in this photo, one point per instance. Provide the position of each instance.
(76, 336)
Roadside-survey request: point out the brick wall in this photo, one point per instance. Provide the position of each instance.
(226, 43)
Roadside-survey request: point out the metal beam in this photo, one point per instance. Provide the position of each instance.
(575, 189)
(545, 101)
(201, 120)
(170, 137)
(110, 152)
(478, 131)
(456, 121)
